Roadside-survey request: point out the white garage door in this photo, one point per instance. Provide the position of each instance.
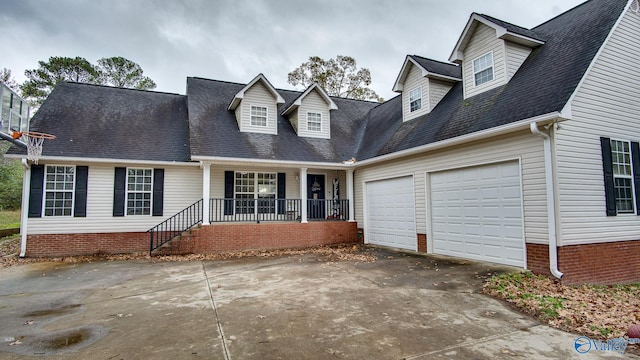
(391, 217)
(476, 213)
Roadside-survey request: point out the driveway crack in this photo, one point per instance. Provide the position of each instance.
(215, 311)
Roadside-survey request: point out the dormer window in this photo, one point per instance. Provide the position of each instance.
(314, 121)
(258, 116)
(483, 69)
(415, 99)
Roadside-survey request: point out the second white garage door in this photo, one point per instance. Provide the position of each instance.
(391, 219)
(476, 213)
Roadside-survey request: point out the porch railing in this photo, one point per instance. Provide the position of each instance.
(257, 210)
(175, 225)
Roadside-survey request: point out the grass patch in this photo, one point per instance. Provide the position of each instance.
(591, 310)
(9, 219)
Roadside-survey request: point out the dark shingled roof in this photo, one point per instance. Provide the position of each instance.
(92, 121)
(439, 67)
(542, 85)
(103, 122)
(215, 132)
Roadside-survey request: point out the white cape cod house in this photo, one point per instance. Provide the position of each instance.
(522, 149)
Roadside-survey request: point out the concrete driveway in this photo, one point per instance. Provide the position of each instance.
(402, 306)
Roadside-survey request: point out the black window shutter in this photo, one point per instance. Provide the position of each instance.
(35, 191)
(635, 161)
(229, 178)
(119, 183)
(80, 201)
(607, 167)
(158, 192)
(282, 193)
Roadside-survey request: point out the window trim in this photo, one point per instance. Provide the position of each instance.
(252, 115)
(477, 71)
(127, 192)
(319, 122)
(256, 192)
(623, 176)
(417, 100)
(45, 190)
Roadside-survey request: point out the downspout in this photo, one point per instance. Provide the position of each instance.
(551, 200)
(26, 184)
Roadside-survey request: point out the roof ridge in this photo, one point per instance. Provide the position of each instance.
(120, 88)
(561, 14)
(504, 21)
(438, 61)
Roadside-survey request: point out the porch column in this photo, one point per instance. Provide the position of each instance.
(303, 195)
(350, 195)
(206, 191)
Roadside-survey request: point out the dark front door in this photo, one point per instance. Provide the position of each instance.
(315, 196)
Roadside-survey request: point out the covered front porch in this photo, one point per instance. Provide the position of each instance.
(255, 206)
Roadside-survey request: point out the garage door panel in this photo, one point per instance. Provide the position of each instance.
(391, 213)
(480, 214)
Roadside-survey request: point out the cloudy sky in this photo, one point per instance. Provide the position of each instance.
(235, 40)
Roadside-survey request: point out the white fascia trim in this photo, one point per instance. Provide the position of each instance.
(504, 129)
(503, 33)
(567, 109)
(280, 163)
(398, 86)
(323, 94)
(104, 161)
(443, 77)
(240, 95)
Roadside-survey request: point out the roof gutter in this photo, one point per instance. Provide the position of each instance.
(479, 135)
(26, 185)
(265, 162)
(76, 159)
(551, 198)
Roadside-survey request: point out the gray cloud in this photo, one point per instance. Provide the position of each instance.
(236, 40)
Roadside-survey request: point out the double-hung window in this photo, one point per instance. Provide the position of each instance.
(251, 187)
(621, 167)
(139, 190)
(59, 188)
(483, 69)
(415, 99)
(258, 116)
(314, 121)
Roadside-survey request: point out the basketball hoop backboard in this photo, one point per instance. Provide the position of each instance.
(14, 113)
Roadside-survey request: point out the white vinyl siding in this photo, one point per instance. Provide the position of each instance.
(413, 81)
(516, 55)
(437, 90)
(523, 146)
(482, 42)
(605, 105)
(182, 187)
(314, 103)
(256, 97)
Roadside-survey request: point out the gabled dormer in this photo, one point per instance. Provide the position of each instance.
(490, 52)
(310, 113)
(423, 83)
(256, 107)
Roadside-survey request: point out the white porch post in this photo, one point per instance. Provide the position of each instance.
(206, 191)
(303, 195)
(350, 195)
(26, 185)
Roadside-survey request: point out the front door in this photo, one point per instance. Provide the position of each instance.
(315, 196)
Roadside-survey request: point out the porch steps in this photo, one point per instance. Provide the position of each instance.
(181, 245)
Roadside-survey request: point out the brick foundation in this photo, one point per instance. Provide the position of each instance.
(51, 245)
(422, 243)
(234, 237)
(206, 239)
(602, 263)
